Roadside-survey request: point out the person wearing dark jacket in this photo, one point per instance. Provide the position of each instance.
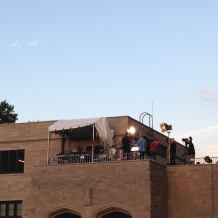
(126, 143)
(191, 151)
(148, 147)
(172, 151)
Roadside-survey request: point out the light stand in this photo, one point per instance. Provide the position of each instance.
(208, 160)
(167, 128)
(168, 146)
(184, 154)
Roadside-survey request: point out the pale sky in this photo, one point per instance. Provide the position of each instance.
(80, 59)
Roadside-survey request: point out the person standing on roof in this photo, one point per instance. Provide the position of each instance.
(142, 144)
(154, 147)
(172, 151)
(126, 143)
(191, 151)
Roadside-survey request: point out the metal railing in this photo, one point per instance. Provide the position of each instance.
(210, 160)
(86, 158)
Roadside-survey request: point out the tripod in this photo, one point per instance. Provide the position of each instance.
(185, 153)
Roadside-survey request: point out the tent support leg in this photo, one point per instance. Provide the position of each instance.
(49, 135)
(93, 138)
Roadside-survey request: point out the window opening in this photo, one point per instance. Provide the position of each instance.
(10, 209)
(12, 161)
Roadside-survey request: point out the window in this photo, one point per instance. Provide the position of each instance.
(10, 209)
(12, 161)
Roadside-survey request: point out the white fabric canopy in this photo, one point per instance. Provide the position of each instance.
(101, 126)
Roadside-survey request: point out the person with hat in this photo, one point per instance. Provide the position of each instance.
(102, 156)
(191, 151)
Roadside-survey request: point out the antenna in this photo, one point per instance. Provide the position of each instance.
(152, 114)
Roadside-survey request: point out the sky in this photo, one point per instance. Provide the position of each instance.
(74, 59)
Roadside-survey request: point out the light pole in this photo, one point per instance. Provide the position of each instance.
(167, 128)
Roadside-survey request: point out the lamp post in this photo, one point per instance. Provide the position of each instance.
(167, 128)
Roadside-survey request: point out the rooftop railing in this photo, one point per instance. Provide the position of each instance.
(206, 160)
(86, 158)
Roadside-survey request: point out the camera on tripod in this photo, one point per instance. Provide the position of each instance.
(185, 152)
(185, 139)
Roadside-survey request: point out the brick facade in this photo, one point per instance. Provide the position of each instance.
(140, 188)
(193, 191)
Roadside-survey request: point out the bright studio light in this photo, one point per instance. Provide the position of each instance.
(131, 130)
(165, 127)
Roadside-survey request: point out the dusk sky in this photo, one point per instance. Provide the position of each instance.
(81, 59)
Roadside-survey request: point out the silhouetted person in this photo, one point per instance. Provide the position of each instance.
(172, 151)
(126, 143)
(148, 147)
(191, 151)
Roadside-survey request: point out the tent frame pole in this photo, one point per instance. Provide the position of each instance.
(93, 139)
(49, 135)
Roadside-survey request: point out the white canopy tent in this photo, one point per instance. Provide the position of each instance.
(100, 124)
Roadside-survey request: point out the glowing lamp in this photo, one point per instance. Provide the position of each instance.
(165, 127)
(131, 130)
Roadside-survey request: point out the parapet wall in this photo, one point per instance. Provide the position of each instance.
(124, 185)
(158, 178)
(193, 191)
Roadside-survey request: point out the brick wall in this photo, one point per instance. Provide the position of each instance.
(33, 138)
(159, 197)
(24, 131)
(215, 190)
(192, 191)
(125, 185)
(140, 188)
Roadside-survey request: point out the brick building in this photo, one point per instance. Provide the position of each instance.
(33, 187)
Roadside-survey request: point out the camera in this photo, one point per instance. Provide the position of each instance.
(186, 140)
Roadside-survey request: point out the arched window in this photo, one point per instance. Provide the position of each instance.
(116, 215)
(67, 215)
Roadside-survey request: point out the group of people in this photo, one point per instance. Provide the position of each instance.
(150, 148)
(145, 146)
(189, 151)
(75, 151)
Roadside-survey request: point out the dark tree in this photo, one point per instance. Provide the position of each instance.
(7, 114)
